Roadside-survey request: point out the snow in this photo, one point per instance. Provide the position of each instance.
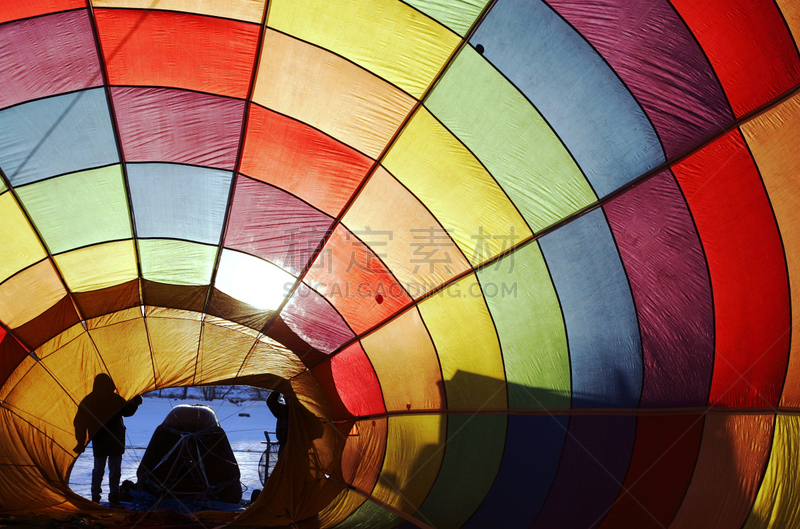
(244, 433)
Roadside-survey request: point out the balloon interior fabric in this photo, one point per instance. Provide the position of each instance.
(515, 263)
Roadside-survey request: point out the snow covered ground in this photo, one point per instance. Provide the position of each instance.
(244, 432)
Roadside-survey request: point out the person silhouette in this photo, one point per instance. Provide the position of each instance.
(281, 412)
(99, 419)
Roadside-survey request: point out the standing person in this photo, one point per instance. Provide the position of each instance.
(281, 412)
(108, 439)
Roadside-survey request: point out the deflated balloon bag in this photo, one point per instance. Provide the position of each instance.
(190, 458)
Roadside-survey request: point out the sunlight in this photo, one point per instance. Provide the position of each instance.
(251, 280)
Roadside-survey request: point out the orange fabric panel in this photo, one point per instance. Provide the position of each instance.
(356, 282)
(405, 361)
(361, 463)
(418, 251)
(40, 278)
(731, 463)
(301, 160)
(772, 139)
(158, 48)
(330, 93)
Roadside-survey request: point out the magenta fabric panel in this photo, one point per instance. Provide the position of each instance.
(170, 125)
(315, 320)
(47, 55)
(272, 224)
(666, 267)
(656, 56)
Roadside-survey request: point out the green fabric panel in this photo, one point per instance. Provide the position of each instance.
(471, 460)
(2, 186)
(526, 311)
(177, 262)
(495, 121)
(369, 516)
(458, 15)
(79, 209)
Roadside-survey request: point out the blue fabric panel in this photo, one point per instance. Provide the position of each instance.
(533, 450)
(596, 457)
(57, 135)
(584, 101)
(602, 329)
(179, 201)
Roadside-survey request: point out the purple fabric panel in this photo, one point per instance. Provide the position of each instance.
(169, 125)
(592, 469)
(272, 224)
(655, 55)
(47, 55)
(315, 320)
(664, 260)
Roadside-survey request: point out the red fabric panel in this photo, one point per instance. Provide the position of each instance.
(356, 381)
(11, 354)
(49, 324)
(315, 320)
(162, 48)
(46, 56)
(274, 225)
(302, 160)
(356, 282)
(749, 46)
(748, 272)
(659, 473)
(164, 125)
(15, 10)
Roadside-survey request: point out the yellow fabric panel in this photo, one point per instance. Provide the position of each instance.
(338, 98)
(225, 345)
(269, 356)
(247, 10)
(466, 340)
(19, 373)
(404, 235)
(405, 362)
(223, 348)
(791, 13)
(174, 340)
(61, 340)
(453, 184)
(125, 350)
(23, 446)
(30, 293)
(99, 266)
(75, 365)
(40, 401)
(779, 495)
(386, 37)
(176, 262)
(19, 245)
(413, 456)
(120, 316)
(772, 138)
(731, 462)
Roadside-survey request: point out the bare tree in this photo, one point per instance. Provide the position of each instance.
(209, 392)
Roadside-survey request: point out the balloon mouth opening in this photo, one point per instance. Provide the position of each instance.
(308, 459)
(127, 347)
